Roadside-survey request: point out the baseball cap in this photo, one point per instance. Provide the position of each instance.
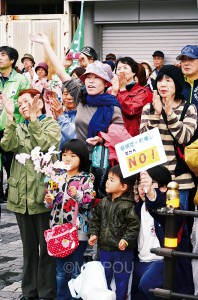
(27, 55)
(89, 51)
(190, 51)
(158, 53)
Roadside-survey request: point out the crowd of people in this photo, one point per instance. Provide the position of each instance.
(76, 112)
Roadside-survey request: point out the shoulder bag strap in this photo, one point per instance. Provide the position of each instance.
(186, 106)
(76, 207)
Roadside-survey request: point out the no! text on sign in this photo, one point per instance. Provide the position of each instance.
(141, 152)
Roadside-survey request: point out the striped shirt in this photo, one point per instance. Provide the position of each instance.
(181, 130)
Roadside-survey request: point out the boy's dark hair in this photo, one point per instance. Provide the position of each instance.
(160, 174)
(129, 181)
(129, 61)
(11, 52)
(80, 149)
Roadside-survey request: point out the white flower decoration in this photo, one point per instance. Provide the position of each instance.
(35, 153)
(22, 158)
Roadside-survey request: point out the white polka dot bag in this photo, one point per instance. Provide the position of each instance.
(62, 239)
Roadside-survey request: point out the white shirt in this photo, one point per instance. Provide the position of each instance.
(147, 238)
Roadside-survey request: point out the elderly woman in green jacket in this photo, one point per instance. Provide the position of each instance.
(27, 190)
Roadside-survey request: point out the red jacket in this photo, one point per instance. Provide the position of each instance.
(132, 103)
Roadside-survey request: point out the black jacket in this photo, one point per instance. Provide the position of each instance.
(113, 221)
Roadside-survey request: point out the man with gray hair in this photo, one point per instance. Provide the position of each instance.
(189, 66)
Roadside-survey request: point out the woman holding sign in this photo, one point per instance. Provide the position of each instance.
(176, 121)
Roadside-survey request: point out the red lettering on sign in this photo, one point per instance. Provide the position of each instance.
(142, 158)
(132, 161)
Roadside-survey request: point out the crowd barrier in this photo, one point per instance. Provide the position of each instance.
(170, 245)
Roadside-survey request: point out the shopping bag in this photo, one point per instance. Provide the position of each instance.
(91, 283)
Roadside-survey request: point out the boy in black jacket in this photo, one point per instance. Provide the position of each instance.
(115, 226)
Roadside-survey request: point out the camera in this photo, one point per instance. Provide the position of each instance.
(73, 55)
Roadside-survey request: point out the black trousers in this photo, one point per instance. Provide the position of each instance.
(39, 270)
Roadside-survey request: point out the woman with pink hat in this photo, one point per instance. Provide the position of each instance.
(96, 109)
(48, 88)
(42, 83)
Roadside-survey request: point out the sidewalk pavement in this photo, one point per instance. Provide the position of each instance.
(11, 256)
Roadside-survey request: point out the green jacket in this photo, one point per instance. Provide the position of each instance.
(11, 88)
(113, 221)
(26, 186)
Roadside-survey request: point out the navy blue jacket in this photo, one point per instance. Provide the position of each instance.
(184, 279)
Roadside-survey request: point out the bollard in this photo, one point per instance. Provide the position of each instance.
(170, 240)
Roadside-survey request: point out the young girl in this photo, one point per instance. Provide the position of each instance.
(77, 188)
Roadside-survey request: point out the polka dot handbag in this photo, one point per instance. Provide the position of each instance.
(62, 239)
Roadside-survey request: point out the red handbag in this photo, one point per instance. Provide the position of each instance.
(62, 239)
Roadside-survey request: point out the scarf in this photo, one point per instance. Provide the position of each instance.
(41, 117)
(102, 117)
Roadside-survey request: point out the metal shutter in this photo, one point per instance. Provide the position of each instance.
(140, 42)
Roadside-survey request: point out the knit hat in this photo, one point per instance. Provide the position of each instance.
(74, 88)
(190, 51)
(158, 53)
(28, 56)
(175, 73)
(42, 65)
(97, 68)
(90, 52)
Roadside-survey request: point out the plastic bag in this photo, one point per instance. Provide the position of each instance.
(91, 283)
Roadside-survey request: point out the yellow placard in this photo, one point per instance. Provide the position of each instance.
(142, 159)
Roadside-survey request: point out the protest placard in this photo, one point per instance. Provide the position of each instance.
(141, 152)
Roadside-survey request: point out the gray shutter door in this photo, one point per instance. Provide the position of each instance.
(139, 42)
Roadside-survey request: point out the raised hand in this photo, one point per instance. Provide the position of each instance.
(157, 104)
(8, 105)
(146, 181)
(168, 105)
(56, 107)
(40, 38)
(122, 80)
(34, 107)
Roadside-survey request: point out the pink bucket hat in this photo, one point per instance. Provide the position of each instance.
(98, 69)
(42, 65)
